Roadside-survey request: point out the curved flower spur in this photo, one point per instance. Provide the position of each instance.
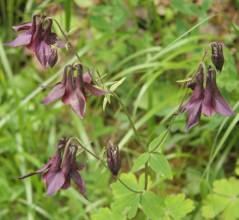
(58, 172)
(73, 90)
(38, 37)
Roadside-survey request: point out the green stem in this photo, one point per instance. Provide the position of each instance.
(146, 175)
(103, 163)
(128, 116)
(68, 43)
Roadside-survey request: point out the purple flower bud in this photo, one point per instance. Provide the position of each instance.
(217, 55)
(113, 159)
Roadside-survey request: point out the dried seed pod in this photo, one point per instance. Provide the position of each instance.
(217, 55)
(113, 159)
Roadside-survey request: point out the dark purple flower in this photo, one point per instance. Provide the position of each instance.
(213, 100)
(217, 55)
(72, 90)
(70, 169)
(113, 159)
(194, 106)
(58, 171)
(205, 101)
(38, 37)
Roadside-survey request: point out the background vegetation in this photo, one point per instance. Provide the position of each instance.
(146, 46)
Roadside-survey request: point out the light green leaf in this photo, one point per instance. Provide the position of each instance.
(140, 161)
(223, 201)
(106, 213)
(152, 205)
(158, 141)
(126, 201)
(117, 84)
(160, 165)
(177, 207)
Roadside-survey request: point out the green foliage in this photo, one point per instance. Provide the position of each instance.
(160, 165)
(109, 17)
(144, 51)
(223, 200)
(126, 202)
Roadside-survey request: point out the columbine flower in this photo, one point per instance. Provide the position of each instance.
(113, 159)
(58, 171)
(217, 55)
(38, 37)
(205, 100)
(70, 169)
(213, 100)
(72, 90)
(194, 106)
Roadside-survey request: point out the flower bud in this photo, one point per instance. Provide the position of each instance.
(217, 55)
(113, 159)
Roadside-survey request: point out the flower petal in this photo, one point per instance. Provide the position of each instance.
(194, 114)
(78, 103)
(55, 183)
(43, 52)
(21, 27)
(94, 90)
(21, 40)
(87, 78)
(222, 107)
(79, 182)
(208, 107)
(56, 93)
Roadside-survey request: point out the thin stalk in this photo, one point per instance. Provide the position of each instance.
(103, 163)
(68, 43)
(126, 186)
(146, 175)
(128, 116)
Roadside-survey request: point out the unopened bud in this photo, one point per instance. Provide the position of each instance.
(113, 159)
(217, 55)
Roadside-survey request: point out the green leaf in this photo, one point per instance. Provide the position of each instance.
(140, 161)
(152, 205)
(117, 84)
(158, 141)
(160, 165)
(223, 201)
(106, 213)
(67, 7)
(126, 201)
(177, 207)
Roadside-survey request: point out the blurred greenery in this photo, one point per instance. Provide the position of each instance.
(152, 44)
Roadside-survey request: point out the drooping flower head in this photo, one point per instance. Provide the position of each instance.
(38, 37)
(213, 100)
(206, 100)
(113, 159)
(194, 106)
(73, 90)
(60, 169)
(217, 55)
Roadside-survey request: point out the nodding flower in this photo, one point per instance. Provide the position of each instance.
(194, 105)
(113, 159)
(213, 100)
(217, 55)
(73, 90)
(206, 100)
(38, 37)
(58, 172)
